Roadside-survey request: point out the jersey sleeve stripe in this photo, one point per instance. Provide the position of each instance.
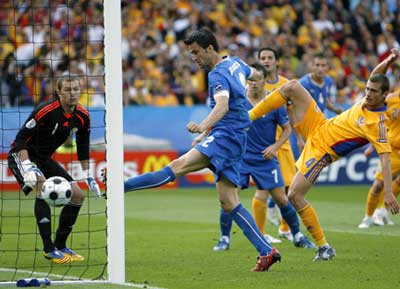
(82, 109)
(81, 119)
(382, 129)
(46, 109)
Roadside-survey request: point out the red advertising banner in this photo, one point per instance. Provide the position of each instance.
(135, 163)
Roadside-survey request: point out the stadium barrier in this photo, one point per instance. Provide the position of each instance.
(353, 169)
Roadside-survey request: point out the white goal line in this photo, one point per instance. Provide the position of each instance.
(71, 279)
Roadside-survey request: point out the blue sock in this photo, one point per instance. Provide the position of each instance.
(246, 222)
(225, 221)
(290, 216)
(271, 202)
(150, 180)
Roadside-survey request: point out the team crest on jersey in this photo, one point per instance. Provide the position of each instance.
(310, 162)
(31, 124)
(361, 121)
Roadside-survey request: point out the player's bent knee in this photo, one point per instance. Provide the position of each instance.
(77, 194)
(377, 187)
(290, 88)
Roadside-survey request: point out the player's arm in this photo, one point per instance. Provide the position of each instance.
(384, 65)
(82, 145)
(31, 174)
(270, 152)
(220, 109)
(390, 200)
(331, 107)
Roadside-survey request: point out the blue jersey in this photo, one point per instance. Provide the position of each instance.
(262, 132)
(225, 144)
(320, 93)
(230, 75)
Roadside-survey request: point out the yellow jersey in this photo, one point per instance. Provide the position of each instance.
(270, 87)
(393, 123)
(352, 129)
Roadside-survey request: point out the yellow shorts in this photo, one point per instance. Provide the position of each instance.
(312, 120)
(287, 165)
(312, 160)
(394, 164)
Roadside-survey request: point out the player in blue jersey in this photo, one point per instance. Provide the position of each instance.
(260, 163)
(320, 85)
(222, 140)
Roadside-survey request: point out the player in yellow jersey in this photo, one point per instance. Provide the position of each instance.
(375, 212)
(329, 139)
(268, 57)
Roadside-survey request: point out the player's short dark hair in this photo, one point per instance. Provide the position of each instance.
(258, 66)
(319, 54)
(382, 79)
(66, 78)
(267, 48)
(203, 37)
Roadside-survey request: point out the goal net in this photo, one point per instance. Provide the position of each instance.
(41, 41)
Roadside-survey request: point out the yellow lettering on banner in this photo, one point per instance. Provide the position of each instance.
(154, 163)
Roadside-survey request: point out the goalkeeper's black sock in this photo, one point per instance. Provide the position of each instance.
(43, 220)
(68, 216)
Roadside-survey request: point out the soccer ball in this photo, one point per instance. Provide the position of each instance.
(56, 191)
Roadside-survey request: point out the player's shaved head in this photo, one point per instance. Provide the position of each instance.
(258, 66)
(203, 37)
(382, 79)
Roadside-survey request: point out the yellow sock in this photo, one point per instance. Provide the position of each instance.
(259, 213)
(284, 227)
(381, 200)
(269, 103)
(396, 188)
(310, 220)
(372, 202)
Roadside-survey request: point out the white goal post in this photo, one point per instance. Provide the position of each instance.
(114, 140)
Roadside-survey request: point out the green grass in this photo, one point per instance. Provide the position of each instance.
(170, 235)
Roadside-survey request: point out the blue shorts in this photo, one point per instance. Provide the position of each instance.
(265, 173)
(225, 149)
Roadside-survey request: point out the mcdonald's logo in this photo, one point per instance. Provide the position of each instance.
(155, 163)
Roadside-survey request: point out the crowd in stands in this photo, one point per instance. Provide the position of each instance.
(41, 39)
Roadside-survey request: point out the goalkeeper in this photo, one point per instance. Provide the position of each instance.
(46, 129)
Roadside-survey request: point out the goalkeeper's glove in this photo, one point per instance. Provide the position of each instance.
(30, 174)
(92, 184)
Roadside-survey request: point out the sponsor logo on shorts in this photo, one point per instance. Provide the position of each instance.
(310, 162)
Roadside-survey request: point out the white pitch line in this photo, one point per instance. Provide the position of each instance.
(74, 279)
(364, 232)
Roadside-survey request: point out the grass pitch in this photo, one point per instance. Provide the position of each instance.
(170, 235)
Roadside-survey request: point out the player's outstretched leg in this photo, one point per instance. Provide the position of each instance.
(267, 254)
(225, 222)
(290, 216)
(150, 180)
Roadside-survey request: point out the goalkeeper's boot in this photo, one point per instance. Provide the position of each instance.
(75, 257)
(222, 245)
(325, 253)
(264, 262)
(57, 257)
(366, 222)
(304, 242)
